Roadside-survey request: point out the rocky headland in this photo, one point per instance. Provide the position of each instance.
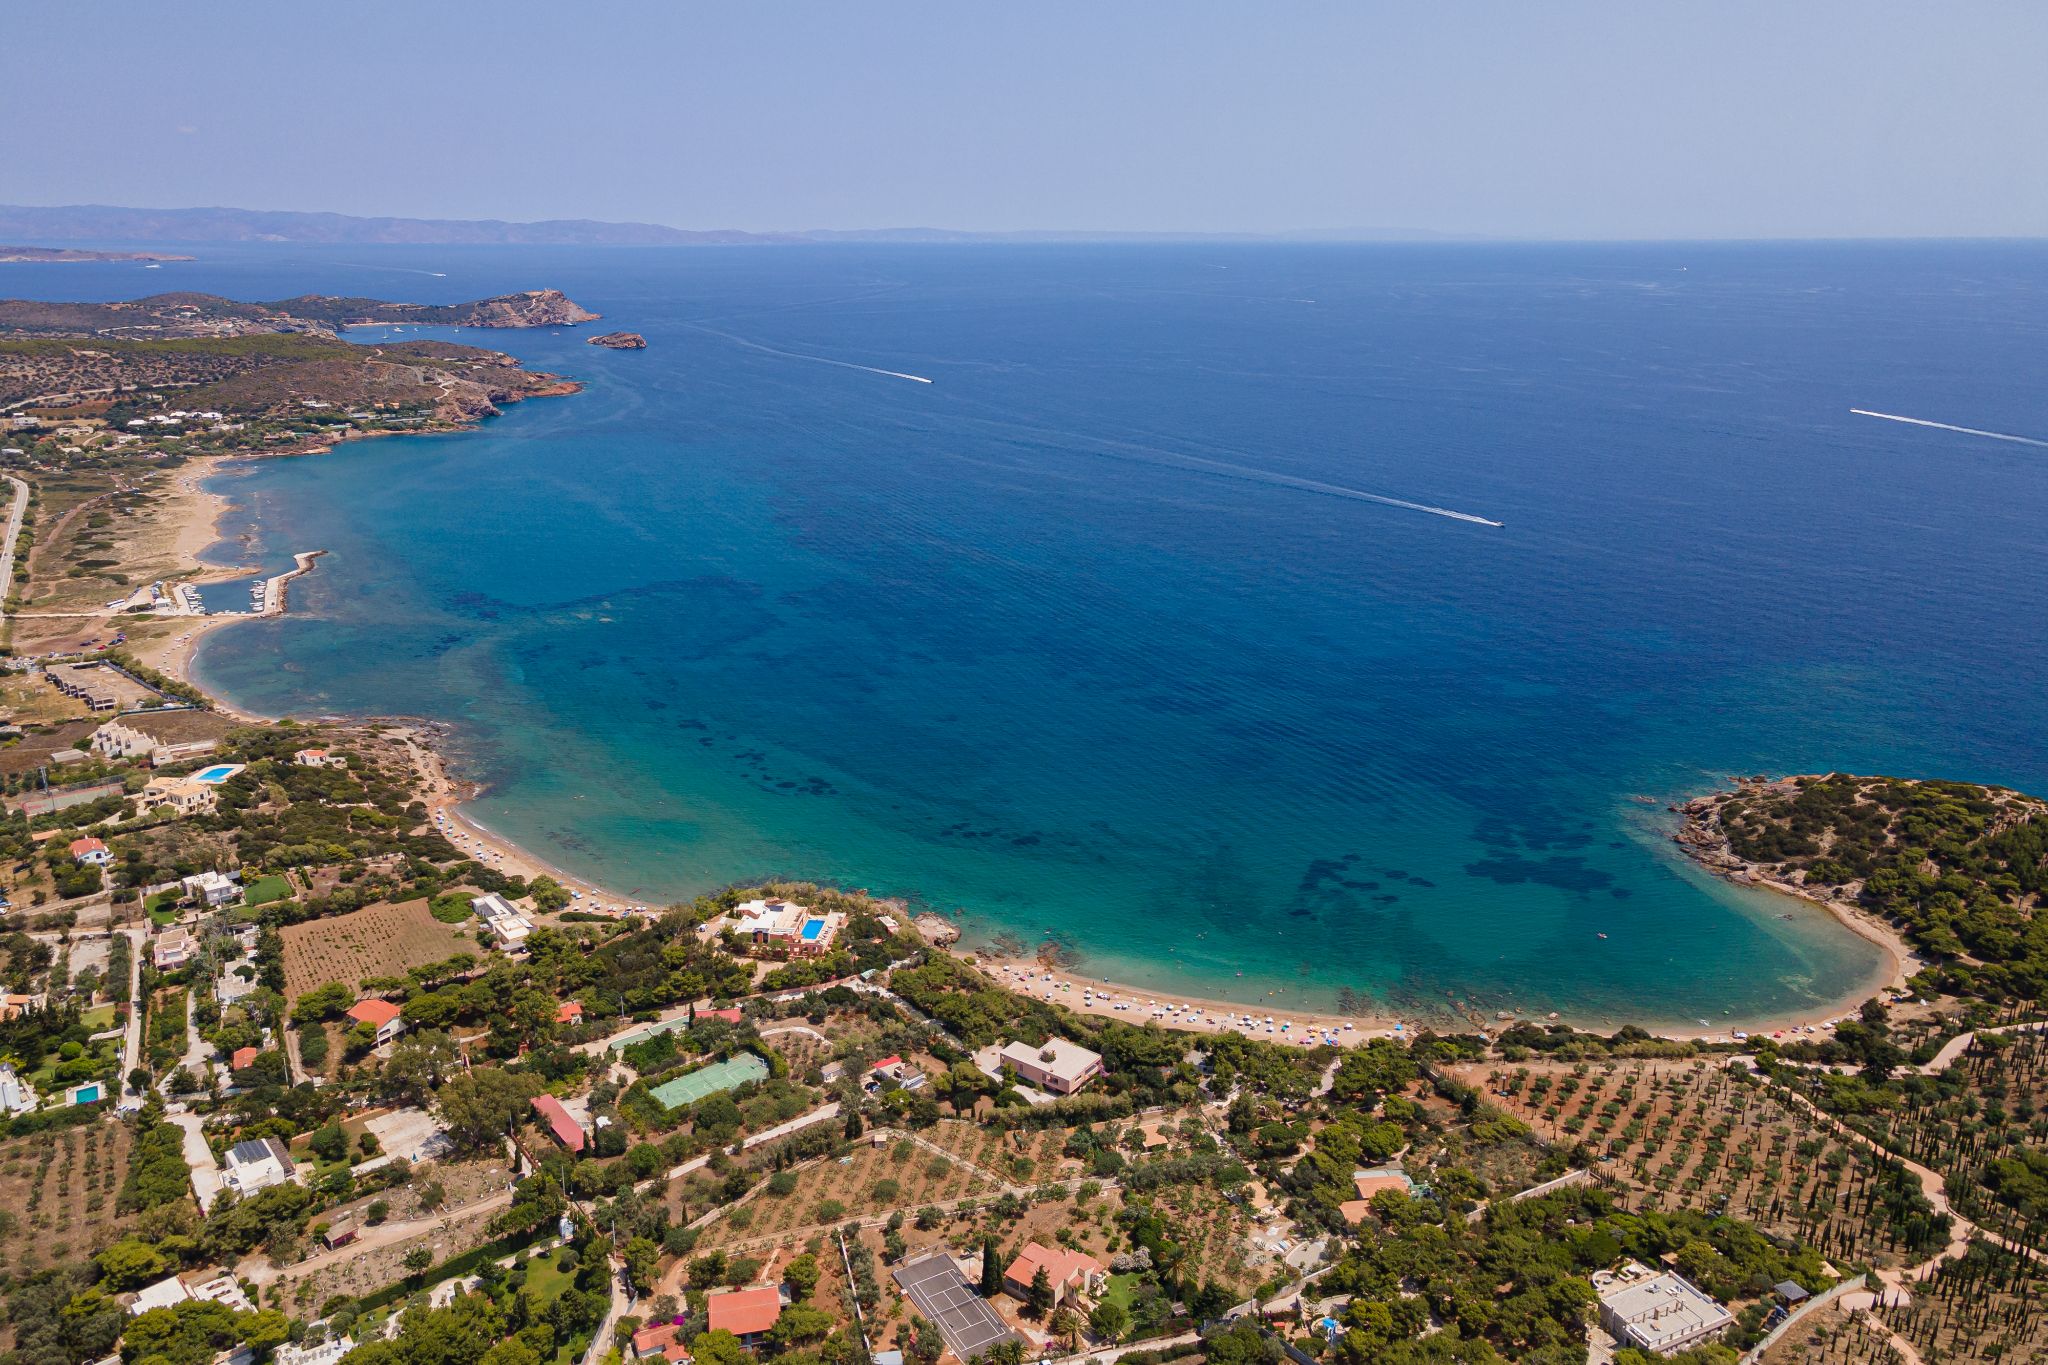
(161, 317)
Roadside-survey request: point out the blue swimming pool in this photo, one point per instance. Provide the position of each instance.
(85, 1094)
(812, 930)
(217, 774)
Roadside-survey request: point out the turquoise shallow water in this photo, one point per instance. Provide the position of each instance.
(1091, 636)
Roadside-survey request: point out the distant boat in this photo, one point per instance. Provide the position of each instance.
(1603, 936)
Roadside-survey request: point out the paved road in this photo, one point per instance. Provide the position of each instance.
(13, 533)
(199, 1156)
(131, 1049)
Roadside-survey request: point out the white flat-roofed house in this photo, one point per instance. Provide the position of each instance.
(256, 1165)
(15, 1095)
(225, 1290)
(780, 928)
(212, 889)
(1657, 1311)
(1055, 1065)
(165, 1293)
(503, 919)
(173, 948)
(319, 758)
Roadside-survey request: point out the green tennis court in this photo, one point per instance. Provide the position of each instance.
(709, 1080)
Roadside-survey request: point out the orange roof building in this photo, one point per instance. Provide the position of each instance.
(658, 1342)
(244, 1058)
(380, 1015)
(744, 1312)
(560, 1122)
(1369, 1184)
(569, 1012)
(1071, 1272)
(375, 1013)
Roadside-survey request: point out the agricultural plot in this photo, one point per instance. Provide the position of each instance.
(381, 940)
(1025, 1157)
(57, 1194)
(802, 1050)
(1216, 1235)
(1689, 1134)
(801, 1202)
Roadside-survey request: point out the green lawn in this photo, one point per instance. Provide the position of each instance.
(162, 907)
(99, 1018)
(264, 890)
(1121, 1288)
(544, 1283)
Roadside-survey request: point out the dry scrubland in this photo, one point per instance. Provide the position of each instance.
(380, 940)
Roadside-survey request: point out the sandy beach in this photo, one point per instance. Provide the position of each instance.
(1086, 994)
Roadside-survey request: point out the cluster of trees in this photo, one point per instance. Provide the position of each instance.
(157, 1174)
(1516, 1279)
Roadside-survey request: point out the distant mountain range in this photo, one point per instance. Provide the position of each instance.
(104, 223)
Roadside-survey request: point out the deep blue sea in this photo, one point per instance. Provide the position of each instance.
(1090, 635)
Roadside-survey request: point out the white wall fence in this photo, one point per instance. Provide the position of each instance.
(1818, 1301)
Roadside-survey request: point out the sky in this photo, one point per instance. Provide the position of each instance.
(1569, 119)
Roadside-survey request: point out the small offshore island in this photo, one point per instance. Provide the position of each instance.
(352, 1070)
(620, 341)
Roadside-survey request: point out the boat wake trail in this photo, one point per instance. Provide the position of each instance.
(1944, 426)
(1332, 489)
(816, 359)
(392, 269)
(1250, 474)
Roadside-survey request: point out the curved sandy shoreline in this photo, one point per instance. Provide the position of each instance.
(1075, 988)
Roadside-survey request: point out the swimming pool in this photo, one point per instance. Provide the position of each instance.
(218, 773)
(86, 1094)
(813, 930)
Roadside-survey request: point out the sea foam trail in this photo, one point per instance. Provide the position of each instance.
(1944, 426)
(819, 359)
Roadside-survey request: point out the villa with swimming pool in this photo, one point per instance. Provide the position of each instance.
(780, 928)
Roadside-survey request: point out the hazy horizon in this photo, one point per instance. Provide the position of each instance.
(1578, 122)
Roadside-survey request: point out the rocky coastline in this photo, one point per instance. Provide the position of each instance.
(620, 341)
(1702, 838)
